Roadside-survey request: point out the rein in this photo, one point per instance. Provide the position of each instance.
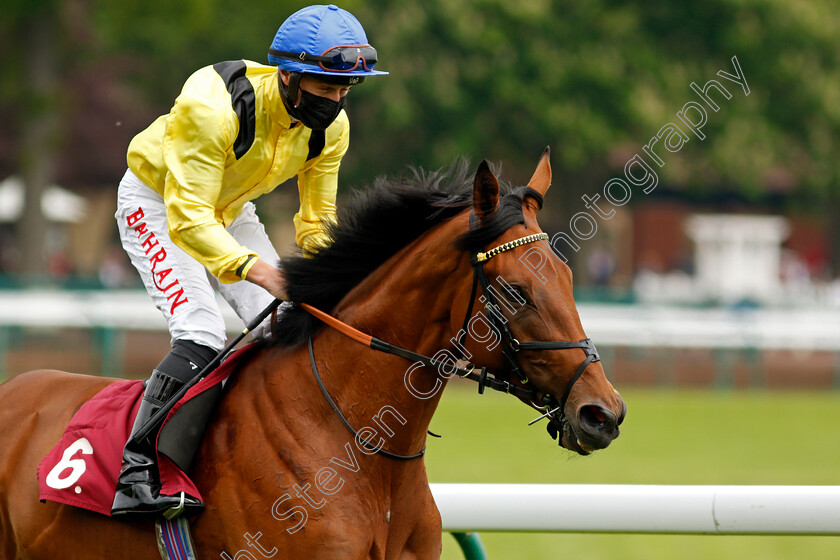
(344, 421)
(510, 346)
(382, 346)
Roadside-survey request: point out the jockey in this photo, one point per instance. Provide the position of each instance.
(237, 130)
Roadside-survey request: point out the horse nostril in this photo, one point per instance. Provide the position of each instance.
(597, 420)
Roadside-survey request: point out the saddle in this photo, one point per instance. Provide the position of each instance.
(82, 469)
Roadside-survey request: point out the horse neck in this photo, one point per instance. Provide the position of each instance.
(407, 302)
(409, 298)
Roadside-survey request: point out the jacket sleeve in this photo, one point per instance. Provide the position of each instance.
(318, 186)
(195, 144)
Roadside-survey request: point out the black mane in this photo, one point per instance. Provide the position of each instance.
(374, 225)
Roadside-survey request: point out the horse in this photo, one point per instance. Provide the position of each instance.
(316, 449)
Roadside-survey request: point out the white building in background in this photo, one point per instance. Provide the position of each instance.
(57, 204)
(737, 257)
(62, 210)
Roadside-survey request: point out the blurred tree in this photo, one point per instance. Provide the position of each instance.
(493, 79)
(31, 83)
(597, 79)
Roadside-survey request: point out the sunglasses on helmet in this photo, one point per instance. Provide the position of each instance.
(341, 58)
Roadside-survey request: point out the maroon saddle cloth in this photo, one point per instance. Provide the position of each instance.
(82, 469)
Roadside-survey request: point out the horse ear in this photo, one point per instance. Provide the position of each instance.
(542, 176)
(485, 192)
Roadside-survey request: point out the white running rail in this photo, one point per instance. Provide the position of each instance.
(608, 508)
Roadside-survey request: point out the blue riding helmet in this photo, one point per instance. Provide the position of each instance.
(323, 40)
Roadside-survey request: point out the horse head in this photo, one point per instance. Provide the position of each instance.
(390, 271)
(527, 292)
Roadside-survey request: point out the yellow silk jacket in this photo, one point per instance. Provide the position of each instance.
(227, 140)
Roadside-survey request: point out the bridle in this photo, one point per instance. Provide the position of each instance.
(511, 345)
(552, 408)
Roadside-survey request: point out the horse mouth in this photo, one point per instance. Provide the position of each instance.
(567, 437)
(594, 428)
(571, 441)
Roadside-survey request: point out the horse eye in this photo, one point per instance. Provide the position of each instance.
(516, 294)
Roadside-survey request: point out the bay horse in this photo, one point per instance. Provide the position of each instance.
(278, 468)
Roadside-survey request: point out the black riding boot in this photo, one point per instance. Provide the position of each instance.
(138, 486)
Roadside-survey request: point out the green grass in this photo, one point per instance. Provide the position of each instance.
(669, 437)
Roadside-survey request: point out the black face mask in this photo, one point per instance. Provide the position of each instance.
(316, 112)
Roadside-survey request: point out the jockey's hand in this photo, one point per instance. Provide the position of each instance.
(264, 275)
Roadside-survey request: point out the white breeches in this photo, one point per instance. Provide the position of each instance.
(179, 285)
